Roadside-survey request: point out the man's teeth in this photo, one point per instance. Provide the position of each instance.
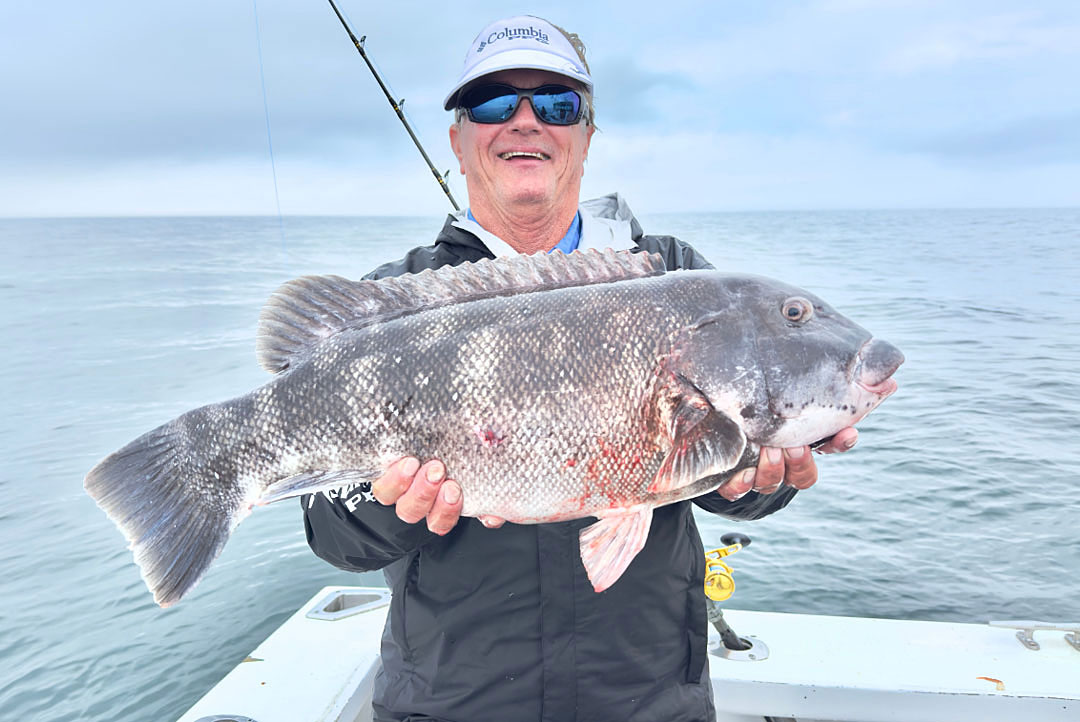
(522, 154)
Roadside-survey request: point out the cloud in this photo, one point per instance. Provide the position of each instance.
(1038, 140)
(705, 170)
(184, 82)
(993, 38)
(228, 187)
(844, 103)
(634, 95)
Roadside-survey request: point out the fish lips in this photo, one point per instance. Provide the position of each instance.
(876, 363)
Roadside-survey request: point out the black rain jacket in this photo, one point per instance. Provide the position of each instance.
(503, 624)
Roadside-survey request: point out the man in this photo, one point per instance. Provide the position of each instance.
(494, 622)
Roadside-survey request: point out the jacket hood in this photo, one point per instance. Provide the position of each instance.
(613, 207)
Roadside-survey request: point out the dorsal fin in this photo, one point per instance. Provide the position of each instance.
(303, 312)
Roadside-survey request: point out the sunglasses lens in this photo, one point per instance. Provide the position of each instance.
(490, 103)
(553, 104)
(557, 105)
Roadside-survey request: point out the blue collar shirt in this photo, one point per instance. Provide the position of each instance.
(568, 243)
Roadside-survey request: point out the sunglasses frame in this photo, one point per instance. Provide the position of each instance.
(522, 93)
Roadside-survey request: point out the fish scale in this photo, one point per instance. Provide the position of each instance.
(539, 431)
(552, 388)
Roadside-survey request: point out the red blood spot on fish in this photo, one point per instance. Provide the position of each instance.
(489, 437)
(612, 472)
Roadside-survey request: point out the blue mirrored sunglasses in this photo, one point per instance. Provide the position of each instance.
(497, 103)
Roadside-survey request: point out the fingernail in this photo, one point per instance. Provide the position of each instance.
(451, 493)
(775, 456)
(851, 442)
(435, 472)
(795, 453)
(410, 466)
(486, 522)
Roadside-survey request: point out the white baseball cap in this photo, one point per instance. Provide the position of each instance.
(524, 41)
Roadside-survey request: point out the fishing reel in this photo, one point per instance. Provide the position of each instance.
(719, 586)
(719, 582)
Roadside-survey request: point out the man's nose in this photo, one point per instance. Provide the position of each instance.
(524, 118)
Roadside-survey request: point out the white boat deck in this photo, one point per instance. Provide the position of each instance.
(883, 670)
(817, 668)
(309, 669)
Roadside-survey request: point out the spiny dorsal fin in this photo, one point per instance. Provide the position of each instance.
(303, 312)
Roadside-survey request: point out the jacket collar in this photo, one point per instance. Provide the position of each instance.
(606, 222)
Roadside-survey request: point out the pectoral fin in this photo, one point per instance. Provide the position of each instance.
(704, 442)
(312, 483)
(609, 545)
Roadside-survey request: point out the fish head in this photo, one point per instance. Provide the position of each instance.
(785, 365)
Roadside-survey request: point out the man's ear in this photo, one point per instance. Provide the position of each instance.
(588, 141)
(455, 145)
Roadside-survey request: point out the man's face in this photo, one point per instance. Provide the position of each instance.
(498, 178)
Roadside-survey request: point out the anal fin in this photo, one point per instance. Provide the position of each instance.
(609, 545)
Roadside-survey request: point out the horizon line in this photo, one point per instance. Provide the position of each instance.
(271, 216)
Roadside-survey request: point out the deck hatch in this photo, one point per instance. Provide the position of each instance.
(342, 603)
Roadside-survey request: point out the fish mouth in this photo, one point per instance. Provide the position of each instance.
(875, 365)
(883, 389)
(509, 155)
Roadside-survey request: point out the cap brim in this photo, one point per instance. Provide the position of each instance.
(518, 59)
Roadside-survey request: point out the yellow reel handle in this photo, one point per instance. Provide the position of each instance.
(719, 582)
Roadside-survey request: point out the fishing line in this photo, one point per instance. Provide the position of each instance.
(266, 113)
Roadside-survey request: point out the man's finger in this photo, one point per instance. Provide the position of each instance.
(770, 471)
(800, 471)
(389, 487)
(738, 486)
(415, 503)
(843, 440)
(492, 522)
(446, 510)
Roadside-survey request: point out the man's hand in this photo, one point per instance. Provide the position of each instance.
(422, 491)
(794, 467)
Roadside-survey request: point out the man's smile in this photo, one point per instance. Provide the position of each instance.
(510, 154)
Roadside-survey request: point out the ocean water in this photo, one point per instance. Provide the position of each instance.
(959, 503)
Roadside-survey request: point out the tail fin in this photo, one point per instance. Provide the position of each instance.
(174, 525)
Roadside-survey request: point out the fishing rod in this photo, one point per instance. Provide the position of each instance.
(396, 105)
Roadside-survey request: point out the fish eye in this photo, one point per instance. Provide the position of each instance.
(797, 310)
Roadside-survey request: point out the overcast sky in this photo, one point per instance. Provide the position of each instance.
(120, 108)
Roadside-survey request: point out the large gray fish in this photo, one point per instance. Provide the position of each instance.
(553, 387)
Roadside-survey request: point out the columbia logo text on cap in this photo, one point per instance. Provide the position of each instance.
(530, 32)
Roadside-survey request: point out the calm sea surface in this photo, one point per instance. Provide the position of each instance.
(959, 503)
